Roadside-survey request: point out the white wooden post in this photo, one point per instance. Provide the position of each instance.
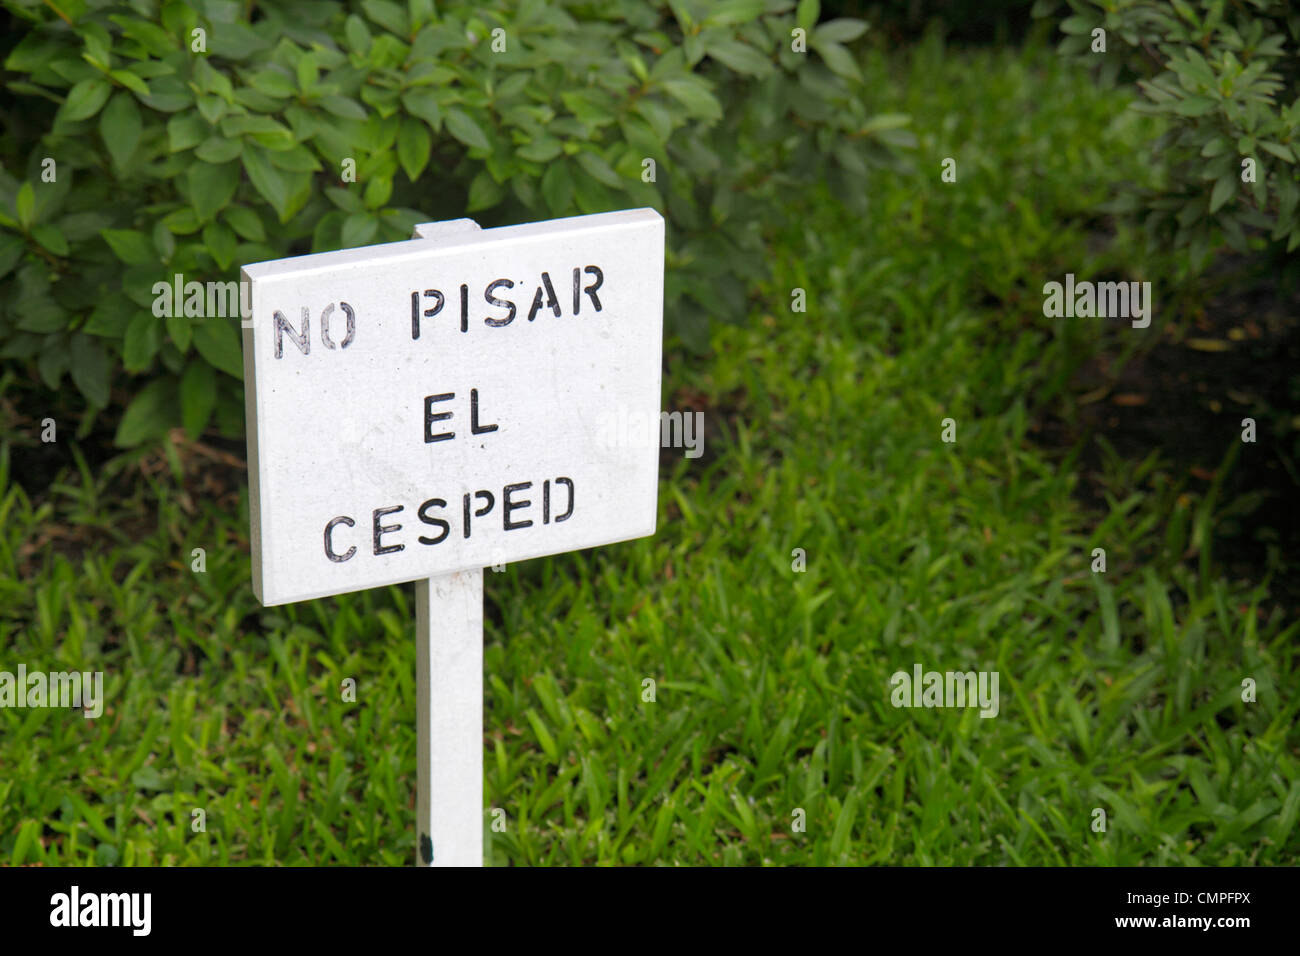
(449, 719)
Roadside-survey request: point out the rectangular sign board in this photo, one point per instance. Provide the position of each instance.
(431, 406)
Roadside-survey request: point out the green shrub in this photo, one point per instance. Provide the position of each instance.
(188, 138)
(1224, 76)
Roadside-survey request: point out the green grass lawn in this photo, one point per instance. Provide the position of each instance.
(1119, 691)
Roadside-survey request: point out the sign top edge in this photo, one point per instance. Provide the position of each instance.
(569, 226)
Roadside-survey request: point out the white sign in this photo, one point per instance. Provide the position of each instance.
(421, 408)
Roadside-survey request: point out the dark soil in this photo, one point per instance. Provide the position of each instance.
(1236, 357)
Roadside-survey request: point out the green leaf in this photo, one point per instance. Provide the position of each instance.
(11, 250)
(413, 146)
(149, 35)
(541, 150)
(843, 831)
(740, 57)
(27, 844)
(299, 159)
(1286, 818)
(358, 229)
(423, 103)
(1224, 189)
(142, 340)
(43, 316)
(592, 196)
(357, 33)
(220, 240)
(211, 187)
(271, 183)
(85, 99)
(26, 205)
(388, 15)
(150, 414)
(883, 121)
(180, 330)
(183, 221)
(343, 107)
(254, 124)
(378, 191)
(841, 30)
(120, 126)
(903, 138)
(345, 199)
(837, 58)
(591, 107)
(484, 192)
(110, 318)
(272, 82)
(99, 43)
(596, 166)
(211, 108)
(1278, 150)
(218, 342)
(51, 237)
(1194, 106)
(219, 150)
(325, 237)
(1215, 147)
(308, 72)
(461, 126)
(130, 245)
(807, 13)
(245, 222)
(1194, 68)
(557, 188)
(421, 13)
(80, 226)
(139, 284)
(90, 369)
(34, 50)
(1078, 25)
(168, 94)
(198, 397)
(185, 130)
(730, 12)
(249, 98)
(131, 82)
(695, 96)
(278, 142)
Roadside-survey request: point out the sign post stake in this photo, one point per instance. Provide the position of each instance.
(449, 719)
